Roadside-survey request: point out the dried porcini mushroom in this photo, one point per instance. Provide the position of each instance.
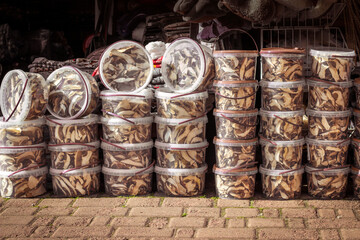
(355, 142)
(326, 125)
(356, 113)
(356, 181)
(281, 184)
(277, 96)
(327, 183)
(281, 126)
(357, 92)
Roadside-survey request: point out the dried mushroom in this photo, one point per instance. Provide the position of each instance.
(332, 69)
(356, 113)
(282, 68)
(13, 159)
(356, 180)
(127, 159)
(357, 93)
(95, 94)
(21, 134)
(356, 148)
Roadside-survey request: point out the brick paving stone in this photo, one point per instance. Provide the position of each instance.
(72, 221)
(100, 211)
(278, 204)
(184, 233)
(55, 211)
(96, 202)
(158, 222)
(143, 202)
(296, 212)
(44, 231)
(271, 213)
(295, 223)
(241, 212)
(19, 211)
(82, 232)
(265, 222)
(129, 221)
(100, 221)
(143, 232)
(216, 222)
(345, 213)
(326, 213)
(42, 221)
(16, 220)
(187, 202)
(236, 223)
(203, 212)
(333, 223)
(348, 234)
(15, 231)
(329, 234)
(21, 202)
(221, 233)
(355, 204)
(232, 203)
(156, 211)
(285, 233)
(187, 222)
(55, 202)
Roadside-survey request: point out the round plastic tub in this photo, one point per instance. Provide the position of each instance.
(127, 130)
(355, 142)
(23, 184)
(179, 106)
(235, 95)
(83, 130)
(355, 174)
(325, 96)
(281, 155)
(127, 155)
(327, 183)
(181, 182)
(282, 64)
(75, 182)
(281, 184)
(328, 125)
(356, 113)
(236, 125)
(235, 154)
(127, 182)
(181, 155)
(22, 133)
(281, 126)
(282, 96)
(235, 65)
(181, 131)
(187, 66)
(64, 156)
(327, 153)
(235, 183)
(332, 64)
(73, 93)
(126, 105)
(23, 96)
(357, 92)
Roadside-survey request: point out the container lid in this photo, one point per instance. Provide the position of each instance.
(119, 147)
(165, 93)
(355, 170)
(66, 147)
(322, 83)
(297, 52)
(235, 171)
(235, 53)
(333, 143)
(127, 172)
(356, 112)
(126, 121)
(181, 171)
(179, 147)
(35, 122)
(316, 113)
(228, 113)
(234, 143)
(285, 114)
(25, 173)
(133, 67)
(282, 84)
(21, 149)
(113, 95)
(282, 172)
(91, 119)
(264, 141)
(327, 171)
(74, 171)
(173, 121)
(251, 83)
(332, 52)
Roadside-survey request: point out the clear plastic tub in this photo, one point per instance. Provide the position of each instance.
(127, 155)
(127, 182)
(332, 64)
(281, 126)
(235, 95)
(180, 155)
(83, 130)
(73, 93)
(235, 154)
(127, 105)
(282, 96)
(187, 66)
(355, 174)
(179, 106)
(328, 125)
(235, 183)
(281, 155)
(282, 64)
(356, 113)
(327, 153)
(327, 183)
(357, 92)
(186, 182)
(181, 131)
(127, 130)
(126, 66)
(23, 96)
(235, 125)
(75, 182)
(355, 142)
(281, 184)
(64, 156)
(325, 96)
(22, 133)
(23, 184)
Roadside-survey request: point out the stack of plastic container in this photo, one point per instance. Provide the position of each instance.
(281, 121)
(329, 117)
(23, 166)
(355, 141)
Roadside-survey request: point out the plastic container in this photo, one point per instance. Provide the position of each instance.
(83, 130)
(281, 126)
(235, 154)
(328, 125)
(327, 183)
(235, 125)
(181, 131)
(126, 105)
(327, 153)
(73, 93)
(23, 133)
(75, 182)
(23, 96)
(64, 156)
(356, 113)
(235, 95)
(235, 183)
(357, 92)
(23, 184)
(187, 66)
(355, 174)
(127, 130)
(179, 106)
(180, 155)
(127, 155)
(186, 182)
(282, 64)
(281, 184)
(127, 182)
(355, 142)
(281, 155)
(282, 96)
(332, 64)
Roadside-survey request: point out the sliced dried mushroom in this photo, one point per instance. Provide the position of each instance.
(356, 113)
(356, 149)
(95, 94)
(357, 93)
(356, 181)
